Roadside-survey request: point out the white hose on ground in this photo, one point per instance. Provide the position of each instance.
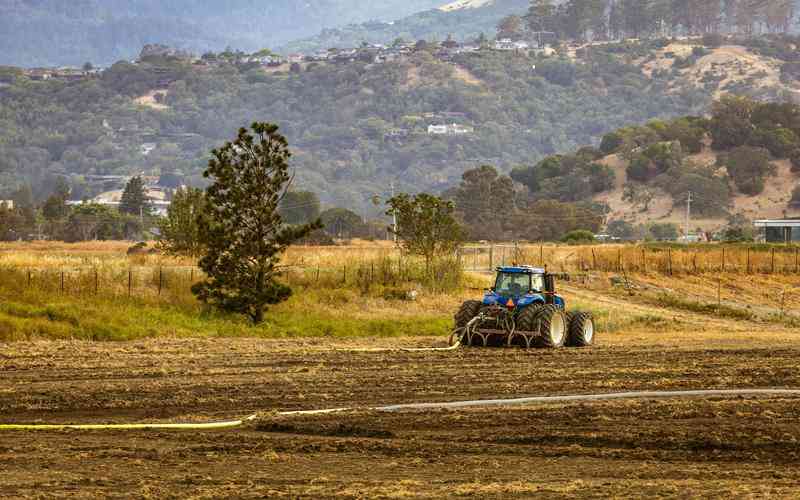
(452, 405)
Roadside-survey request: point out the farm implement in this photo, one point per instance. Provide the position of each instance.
(522, 309)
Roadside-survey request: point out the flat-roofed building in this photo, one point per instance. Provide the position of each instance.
(780, 230)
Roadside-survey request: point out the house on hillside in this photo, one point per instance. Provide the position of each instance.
(507, 44)
(779, 230)
(39, 74)
(7, 204)
(452, 129)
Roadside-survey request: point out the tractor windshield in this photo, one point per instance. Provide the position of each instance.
(517, 284)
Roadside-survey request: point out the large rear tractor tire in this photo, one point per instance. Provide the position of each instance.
(468, 311)
(552, 327)
(581, 329)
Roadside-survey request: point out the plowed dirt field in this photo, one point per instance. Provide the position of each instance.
(700, 446)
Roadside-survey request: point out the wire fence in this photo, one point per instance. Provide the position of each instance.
(172, 283)
(640, 259)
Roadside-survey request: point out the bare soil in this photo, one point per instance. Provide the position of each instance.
(691, 447)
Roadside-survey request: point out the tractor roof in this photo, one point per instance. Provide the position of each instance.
(521, 270)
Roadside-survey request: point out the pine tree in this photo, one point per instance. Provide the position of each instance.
(242, 230)
(134, 199)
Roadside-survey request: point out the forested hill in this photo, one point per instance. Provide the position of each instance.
(58, 32)
(355, 127)
(462, 20)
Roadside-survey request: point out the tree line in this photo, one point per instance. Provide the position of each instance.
(617, 19)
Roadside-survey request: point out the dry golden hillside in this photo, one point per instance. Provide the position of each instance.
(772, 203)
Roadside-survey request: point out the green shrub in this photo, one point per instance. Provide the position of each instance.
(748, 167)
(611, 143)
(579, 236)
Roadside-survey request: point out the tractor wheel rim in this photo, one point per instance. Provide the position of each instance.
(557, 329)
(588, 331)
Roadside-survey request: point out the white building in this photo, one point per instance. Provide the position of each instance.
(508, 44)
(453, 129)
(8, 204)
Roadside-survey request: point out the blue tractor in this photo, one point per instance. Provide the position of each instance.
(523, 309)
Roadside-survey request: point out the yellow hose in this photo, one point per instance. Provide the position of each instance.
(127, 427)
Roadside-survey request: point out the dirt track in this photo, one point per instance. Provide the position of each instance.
(701, 446)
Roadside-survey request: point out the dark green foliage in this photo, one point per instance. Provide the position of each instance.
(481, 200)
(299, 207)
(621, 229)
(559, 72)
(91, 221)
(655, 160)
(55, 207)
(780, 142)
(711, 194)
(426, 226)
(730, 126)
(663, 231)
(550, 220)
(343, 223)
(134, 199)
(579, 236)
(687, 131)
(611, 142)
(180, 229)
(337, 116)
(748, 167)
(566, 178)
(242, 230)
(12, 224)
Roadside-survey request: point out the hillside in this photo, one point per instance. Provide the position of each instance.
(355, 127)
(54, 33)
(773, 202)
(463, 19)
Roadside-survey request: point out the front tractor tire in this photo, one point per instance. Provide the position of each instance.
(581, 329)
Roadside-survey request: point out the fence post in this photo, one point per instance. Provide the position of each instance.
(160, 279)
(723, 259)
(191, 276)
(619, 260)
(491, 257)
(773, 262)
(344, 275)
(62, 281)
(541, 254)
(796, 260)
(669, 252)
(130, 281)
(748, 261)
(594, 261)
(317, 278)
(29, 278)
(96, 282)
(644, 261)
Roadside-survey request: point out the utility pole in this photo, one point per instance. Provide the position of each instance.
(394, 216)
(689, 200)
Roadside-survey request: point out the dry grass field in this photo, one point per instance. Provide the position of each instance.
(709, 330)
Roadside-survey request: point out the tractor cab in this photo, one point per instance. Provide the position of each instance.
(521, 286)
